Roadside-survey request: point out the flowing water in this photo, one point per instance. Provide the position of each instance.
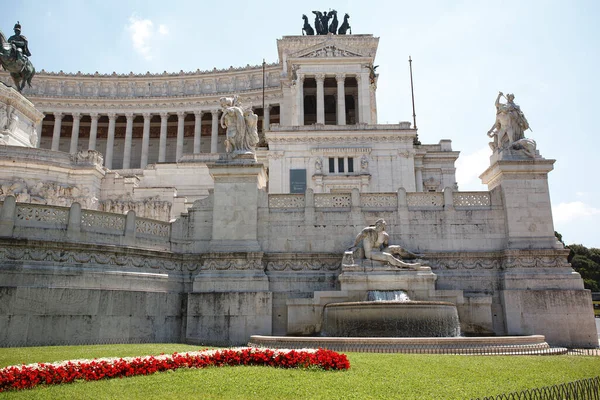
(390, 314)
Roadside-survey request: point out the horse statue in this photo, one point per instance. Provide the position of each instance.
(20, 71)
(345, 26)
(307, 29)
(334, 22)
(318, 22)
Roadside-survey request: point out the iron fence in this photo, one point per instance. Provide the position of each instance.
(584, 389)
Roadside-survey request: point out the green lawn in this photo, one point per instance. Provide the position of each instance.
(370, 376)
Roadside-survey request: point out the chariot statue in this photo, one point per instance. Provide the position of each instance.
(323, 26)
(14, 58)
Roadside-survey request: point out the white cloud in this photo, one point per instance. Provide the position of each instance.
(470, 166)
(142, 33)
(163, 29)
(568, 212)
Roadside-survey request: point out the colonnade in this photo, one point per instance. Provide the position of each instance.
(110, 149)
(360, 93)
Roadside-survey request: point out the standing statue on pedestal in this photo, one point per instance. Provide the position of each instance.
(375, 244)
(14, 54)
(509, 129)
(510, 122)
(241, 126)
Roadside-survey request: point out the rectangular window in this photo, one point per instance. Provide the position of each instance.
(331, 165)
(340, 165)
(350, 164)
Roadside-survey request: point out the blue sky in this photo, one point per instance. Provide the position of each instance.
(464, 52)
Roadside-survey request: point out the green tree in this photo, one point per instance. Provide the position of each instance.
(587, 263)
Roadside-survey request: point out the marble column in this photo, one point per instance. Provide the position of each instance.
(320, 78)
(75, 132)
(358, 100)
(300, 100)
(58, 116)
(214, 135)
(197, 131)
(110, 141)
(341, 99)
(38, 132)
(162, 143)
(266, 118)
(364, 98)
(128, 139)
(418, 178)
(180, 126)
(145, 140)
(93, 131)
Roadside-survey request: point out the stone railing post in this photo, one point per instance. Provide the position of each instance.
(448, 199)
(355, 209)
(130, 228)
(403, 216)
(74, 224)
(7, 216)
(309, 206)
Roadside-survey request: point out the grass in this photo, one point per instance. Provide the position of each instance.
(370, 376)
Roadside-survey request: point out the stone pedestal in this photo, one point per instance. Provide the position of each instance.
(235, 209)
(357, 280)
(524, 187)
(230, 300)
(19, 119)
(540, 292)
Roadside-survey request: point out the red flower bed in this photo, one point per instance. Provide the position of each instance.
(28, 376)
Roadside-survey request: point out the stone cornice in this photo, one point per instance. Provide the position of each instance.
(147, 75)
(136, 87)
(154, 105)
(13, 98)
(339, 135)
(366, 45)
(340, 150)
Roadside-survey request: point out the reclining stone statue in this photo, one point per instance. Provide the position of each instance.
(375, 243)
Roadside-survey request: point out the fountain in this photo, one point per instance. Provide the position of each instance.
(390, 314)
(389, 321)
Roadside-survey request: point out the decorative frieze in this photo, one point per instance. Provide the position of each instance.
(303, 265)
(501, 260)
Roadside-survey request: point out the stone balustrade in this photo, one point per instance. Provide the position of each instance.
(72, 224)
(384, 201)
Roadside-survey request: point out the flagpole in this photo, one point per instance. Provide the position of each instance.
(412, 93)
